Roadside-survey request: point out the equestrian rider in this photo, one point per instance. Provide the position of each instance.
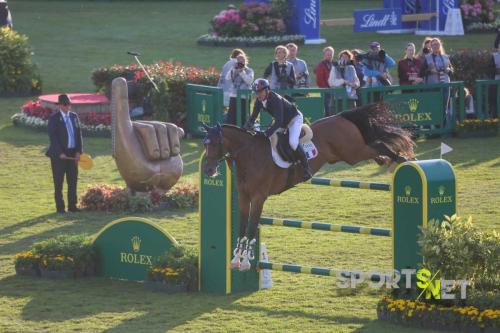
(285, 115)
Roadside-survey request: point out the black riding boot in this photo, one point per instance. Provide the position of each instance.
(300, 155)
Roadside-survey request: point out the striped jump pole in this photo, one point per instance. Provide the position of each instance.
(325, 226)
(316, 271)
(350, 184)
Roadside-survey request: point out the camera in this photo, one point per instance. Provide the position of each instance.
(371, 55)
(240, 65)
(426, 50)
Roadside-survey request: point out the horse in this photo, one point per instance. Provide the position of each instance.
(353, 136)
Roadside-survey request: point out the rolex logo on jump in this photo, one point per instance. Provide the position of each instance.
(413, 104)
(441, 190)
(407, 190)
(203, 106)
(407, 198)
(136, 243)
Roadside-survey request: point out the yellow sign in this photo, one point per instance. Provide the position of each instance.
(428, 284)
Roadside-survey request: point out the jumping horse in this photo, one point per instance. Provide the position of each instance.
(353, 136)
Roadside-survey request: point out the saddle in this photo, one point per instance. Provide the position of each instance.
(280, 143)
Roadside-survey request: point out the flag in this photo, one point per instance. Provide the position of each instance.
(445, 149)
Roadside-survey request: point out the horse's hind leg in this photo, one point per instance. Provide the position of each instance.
(244, 205)
(255, 212)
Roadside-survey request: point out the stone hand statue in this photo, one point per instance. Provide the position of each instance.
(147, 153)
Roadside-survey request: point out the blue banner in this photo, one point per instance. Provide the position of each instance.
(305, 18)
(377, 19)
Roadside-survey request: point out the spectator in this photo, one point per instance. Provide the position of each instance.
(5, 17)
(495, 70)
(470, 113)
(409, 68)
(239, 77)
(300, 67)
(376, 66)
(358, 66)
(437, 69)
(280, 72)
(343, 74)
(226, 86)
(322, 71)
(425, 49)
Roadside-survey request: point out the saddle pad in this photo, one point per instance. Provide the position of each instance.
(309, 148)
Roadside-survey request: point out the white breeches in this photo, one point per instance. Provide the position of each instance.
(294, 128)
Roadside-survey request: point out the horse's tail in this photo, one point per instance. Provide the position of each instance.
(376, 122)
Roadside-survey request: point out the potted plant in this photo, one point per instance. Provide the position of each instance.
(26, 263)
(174, 271)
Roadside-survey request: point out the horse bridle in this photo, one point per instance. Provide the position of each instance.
(227, 156)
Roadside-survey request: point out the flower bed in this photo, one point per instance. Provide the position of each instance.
(434, 316)
(477, 128)
(171, 78)
(477, 12)
(102, 197)
(260, 41)
(59, 257)
(176, 270)
(35, 116)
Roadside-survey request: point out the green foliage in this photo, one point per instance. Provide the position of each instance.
(182, 196)
(18, 75)
(179, 265)
(471, 65)
(258, 41)
(169, 104)
(483, 27)
(460, 251)
(140, 203)
(66, 253)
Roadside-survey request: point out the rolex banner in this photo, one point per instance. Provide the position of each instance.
(128, 247)
(421, 109)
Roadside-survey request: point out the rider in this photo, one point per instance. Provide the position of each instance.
(285, 115)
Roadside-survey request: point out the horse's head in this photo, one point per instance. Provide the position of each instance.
(214, 150)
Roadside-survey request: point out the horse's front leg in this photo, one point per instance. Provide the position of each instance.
(241, 243)
(256, 207)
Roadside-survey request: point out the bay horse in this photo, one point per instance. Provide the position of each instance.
(353, 136)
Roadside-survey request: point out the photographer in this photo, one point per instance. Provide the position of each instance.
(239, 77)
(280, 73)
(343, 74)
(437, 69)
(376, 64)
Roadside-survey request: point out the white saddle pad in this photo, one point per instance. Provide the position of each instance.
(308, 146)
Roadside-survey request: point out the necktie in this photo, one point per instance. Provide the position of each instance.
(71, 135)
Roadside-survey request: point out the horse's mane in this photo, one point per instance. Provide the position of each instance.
(254, 134)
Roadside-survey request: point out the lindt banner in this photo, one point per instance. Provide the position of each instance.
(377, 19)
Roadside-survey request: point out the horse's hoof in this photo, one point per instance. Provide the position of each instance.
(245, 265)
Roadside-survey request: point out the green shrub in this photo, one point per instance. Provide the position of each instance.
(179, 265)
(140, 203)
(471, 65)
(18, 75)
(182, 196)
(462, 252)
(67, 253)
(104, 197)
(169, 104)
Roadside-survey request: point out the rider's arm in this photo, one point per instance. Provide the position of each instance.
(257, 107)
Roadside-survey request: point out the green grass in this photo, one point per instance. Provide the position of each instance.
(72, 38)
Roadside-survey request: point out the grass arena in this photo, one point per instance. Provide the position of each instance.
(67, 47)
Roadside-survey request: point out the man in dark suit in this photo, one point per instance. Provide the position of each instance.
(64, 152)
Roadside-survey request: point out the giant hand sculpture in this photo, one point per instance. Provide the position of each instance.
(147, 153)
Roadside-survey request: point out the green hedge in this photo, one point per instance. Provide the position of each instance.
(171, 78)
(471, 65)
(18, 75)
